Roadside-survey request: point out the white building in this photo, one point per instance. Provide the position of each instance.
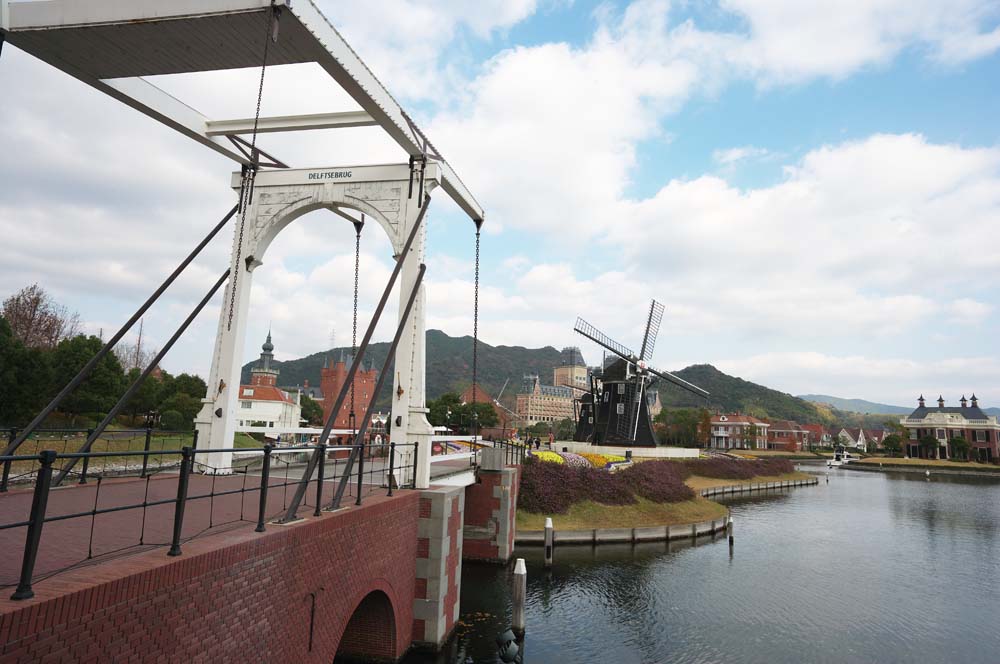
(262, 402)
(943, 424)
(738, 432)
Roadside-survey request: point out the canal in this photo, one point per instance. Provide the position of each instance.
(868, 568)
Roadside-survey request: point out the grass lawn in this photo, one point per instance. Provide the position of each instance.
(588, 515)
(780, 454)
(698, 483)
(932, 463)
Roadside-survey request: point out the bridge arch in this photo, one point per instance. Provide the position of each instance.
(387, 194)
(370, 633)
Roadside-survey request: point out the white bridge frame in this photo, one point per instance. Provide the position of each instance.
(112, 45)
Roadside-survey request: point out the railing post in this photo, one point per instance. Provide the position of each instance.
(194, 440)
(416, 452)
(321, 451)
(145, 448)
(7, 462)
(361, 471)
(86, 460)
(392, 464)
(39, 501)
(182, 490)
(265, 478)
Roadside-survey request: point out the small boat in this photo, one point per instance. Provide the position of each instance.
(840, 457)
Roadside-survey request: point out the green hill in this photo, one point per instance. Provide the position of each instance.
(449, 369)
(449, 366)
(856, 405)
(731, 394)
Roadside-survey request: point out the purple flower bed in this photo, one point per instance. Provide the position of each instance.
(739, 469)
(551, 488)
(574, 460)
(658, 481)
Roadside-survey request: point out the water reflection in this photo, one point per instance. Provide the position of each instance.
(867, 568)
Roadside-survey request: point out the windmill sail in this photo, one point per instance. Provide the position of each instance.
(598, 337)
(652, 329)
(678, 381)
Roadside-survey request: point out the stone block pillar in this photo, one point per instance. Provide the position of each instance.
(439, 565)
(490, 515)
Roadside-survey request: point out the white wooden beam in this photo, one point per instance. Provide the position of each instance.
(291, 123)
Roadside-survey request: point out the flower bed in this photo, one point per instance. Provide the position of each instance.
(738, 469)
(551, 488)
(602, 460)
(551, 457)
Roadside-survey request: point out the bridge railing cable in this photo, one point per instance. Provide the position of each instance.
(162, 493)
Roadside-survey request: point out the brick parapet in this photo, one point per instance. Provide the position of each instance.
(438, 565)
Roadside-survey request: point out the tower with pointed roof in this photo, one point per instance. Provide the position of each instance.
(265, 373)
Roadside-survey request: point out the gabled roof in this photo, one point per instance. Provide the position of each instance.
(264, 393)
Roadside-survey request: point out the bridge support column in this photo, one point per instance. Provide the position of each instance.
(439, 566)
(491, 511)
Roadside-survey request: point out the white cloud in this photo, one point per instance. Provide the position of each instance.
(732, 156)
(873, 378)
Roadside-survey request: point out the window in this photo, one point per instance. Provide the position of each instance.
(940, 434)
(621, 409)
(270, 424)
(982, 436)
(913, 434)
(246, 404)
(248, 392)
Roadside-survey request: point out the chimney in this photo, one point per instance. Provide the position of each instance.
(975, 401)
(940, 401)
(920, 401)
(305, 384)
(963, 401)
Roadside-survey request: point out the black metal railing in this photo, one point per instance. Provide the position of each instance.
(138, 504)
(514, 452)
(66, 441)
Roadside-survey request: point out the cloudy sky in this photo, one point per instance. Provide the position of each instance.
(812, 189)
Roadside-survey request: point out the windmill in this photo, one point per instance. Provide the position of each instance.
(615, 412)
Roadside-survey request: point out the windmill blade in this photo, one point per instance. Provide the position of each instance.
(652, 329)
(598, 337)
(678, 381)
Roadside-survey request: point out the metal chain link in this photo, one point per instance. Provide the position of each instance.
(475, 337)
(354, 328)
(249, 172)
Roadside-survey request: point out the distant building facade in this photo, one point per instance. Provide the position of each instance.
(572, 371)
(262, 402)
(967, 420)
(737, 431)
(787, 435)
(543, 403)
(332, 380)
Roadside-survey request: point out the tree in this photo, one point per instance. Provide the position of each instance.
(146, 398)
(25, 379)
(930, 445)
(171, 420)
(960, 448)
(892, 444)
(312, 412)
(565, 429)
(704, 427)
(37, 320)
(439, 409)
(186, 405)
(99, 392)
(191, 385)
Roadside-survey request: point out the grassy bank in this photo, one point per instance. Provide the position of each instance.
(698, 483)
(776, 454)
(588, 515)
(931, 464)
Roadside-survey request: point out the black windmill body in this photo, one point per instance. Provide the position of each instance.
(616, 411)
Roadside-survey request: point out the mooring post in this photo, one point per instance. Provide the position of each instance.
(265, 478)
(39, 501)
(729, 530)
(519, 594)
(182, 491)
(549, 540)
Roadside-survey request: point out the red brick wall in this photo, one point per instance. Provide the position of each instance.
(453, 564)
(233, 597)
(480, 505)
